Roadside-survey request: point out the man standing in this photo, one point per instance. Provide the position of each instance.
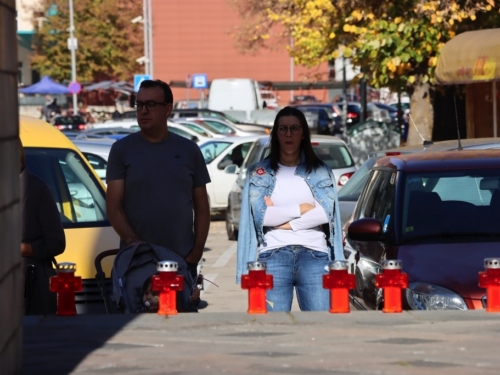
(156, 179)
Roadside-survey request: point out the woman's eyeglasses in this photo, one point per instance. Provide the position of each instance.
(294, 129)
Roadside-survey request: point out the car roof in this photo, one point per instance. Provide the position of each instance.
(232, 139)
(38, 133)
(442, 160)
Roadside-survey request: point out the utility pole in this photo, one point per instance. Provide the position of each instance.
(150, 38)
(344, 89)
(145, 31)
(73, 45)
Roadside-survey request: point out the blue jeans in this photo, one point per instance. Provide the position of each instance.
(299, 267)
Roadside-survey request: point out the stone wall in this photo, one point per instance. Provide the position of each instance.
(10, 216)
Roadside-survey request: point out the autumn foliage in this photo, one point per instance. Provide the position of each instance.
(108, 43)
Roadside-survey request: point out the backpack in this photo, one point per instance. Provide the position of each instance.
(133, 265)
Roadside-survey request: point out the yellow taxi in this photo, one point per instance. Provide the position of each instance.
(81, 199)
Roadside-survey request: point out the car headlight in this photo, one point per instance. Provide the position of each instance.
(422, 296)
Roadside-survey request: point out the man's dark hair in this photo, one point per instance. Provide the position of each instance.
(167, 91)
(311, 160)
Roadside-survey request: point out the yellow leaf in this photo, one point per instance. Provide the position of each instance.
(451, 22)
(401, 27)
(411, 79)
(396, 61)
(439, 19)
(473, 17)
(425, 79)
(451, 34)
(335, 54)
(397, 20)
(488, 7)
(332, 35)
(347, 28)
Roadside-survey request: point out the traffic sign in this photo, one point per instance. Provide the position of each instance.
(138, 78)
(74, 87)
(200, 81)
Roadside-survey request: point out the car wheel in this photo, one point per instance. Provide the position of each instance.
(232, 233)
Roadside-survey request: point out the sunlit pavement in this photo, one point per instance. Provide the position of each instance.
(222, 338)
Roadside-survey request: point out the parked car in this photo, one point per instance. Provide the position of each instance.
(96, 151)
(221, 126)
(185, 132)
(114, 133)
(74, 123)
(218, 154)
(331, 150)
(117, 123)
(205, 112)
(438, 212)
(351, 191)
(81, 199)
(322, 118)
(354, 113)
(200, 128)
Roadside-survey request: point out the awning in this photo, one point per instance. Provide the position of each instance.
(470, 57)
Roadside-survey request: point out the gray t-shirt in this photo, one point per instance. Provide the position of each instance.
(159, 182)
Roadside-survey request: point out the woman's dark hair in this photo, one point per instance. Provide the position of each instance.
(311, 160)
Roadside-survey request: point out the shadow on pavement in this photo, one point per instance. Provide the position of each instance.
(56, 345)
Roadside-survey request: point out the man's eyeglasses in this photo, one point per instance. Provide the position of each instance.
(150, 105)
(294, 129)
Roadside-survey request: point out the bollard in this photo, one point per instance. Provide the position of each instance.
(167, 283)
(339, 281)
(257, 282)
(65, 284)
(392, 280)
(490, 279)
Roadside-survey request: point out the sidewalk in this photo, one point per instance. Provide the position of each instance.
(279, 343)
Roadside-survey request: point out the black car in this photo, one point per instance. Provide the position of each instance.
(69, 123)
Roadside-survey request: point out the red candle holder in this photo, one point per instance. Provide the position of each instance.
(490, 279)
(257, 282)
(392, 281)
(167, 283)
(65, 284)
(339, 281)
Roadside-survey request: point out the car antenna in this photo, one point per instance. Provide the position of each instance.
(458, 129)
(426, 143)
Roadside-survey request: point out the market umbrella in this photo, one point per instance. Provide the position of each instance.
(471, 57)
(45, 86)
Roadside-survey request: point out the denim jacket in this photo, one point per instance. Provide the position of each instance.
(259, 182)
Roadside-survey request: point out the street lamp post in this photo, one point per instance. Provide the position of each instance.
(72, 45)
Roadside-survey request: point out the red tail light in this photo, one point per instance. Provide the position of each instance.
(59, 127)
(81, 127)
(315, 143)
(344, 178)
(394, 153)
(352, 115)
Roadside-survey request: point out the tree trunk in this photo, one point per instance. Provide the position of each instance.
(422, 113)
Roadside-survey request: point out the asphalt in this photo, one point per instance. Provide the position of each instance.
(276, 343)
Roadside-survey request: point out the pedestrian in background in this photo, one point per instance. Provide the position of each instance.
(157, 180)
(42, 240)
(289, 217)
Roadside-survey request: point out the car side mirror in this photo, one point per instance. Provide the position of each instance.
(367, 229)
(231, 169)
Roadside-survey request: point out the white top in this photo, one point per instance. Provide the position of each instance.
(289, 192)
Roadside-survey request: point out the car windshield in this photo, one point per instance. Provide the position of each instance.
(451, 205)
(334, 155)
(79, 197)
(218, 126)
(211, 150)
(352, 189)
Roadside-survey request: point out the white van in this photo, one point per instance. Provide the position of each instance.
(234, 94)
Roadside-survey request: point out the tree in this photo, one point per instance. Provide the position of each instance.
(396, 43)
(108, 43)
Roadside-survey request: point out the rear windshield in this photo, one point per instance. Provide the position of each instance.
(63, 120)
(452, 205)
(79, 196)
(335, 156)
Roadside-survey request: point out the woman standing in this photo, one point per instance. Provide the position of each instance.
(289, 217)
